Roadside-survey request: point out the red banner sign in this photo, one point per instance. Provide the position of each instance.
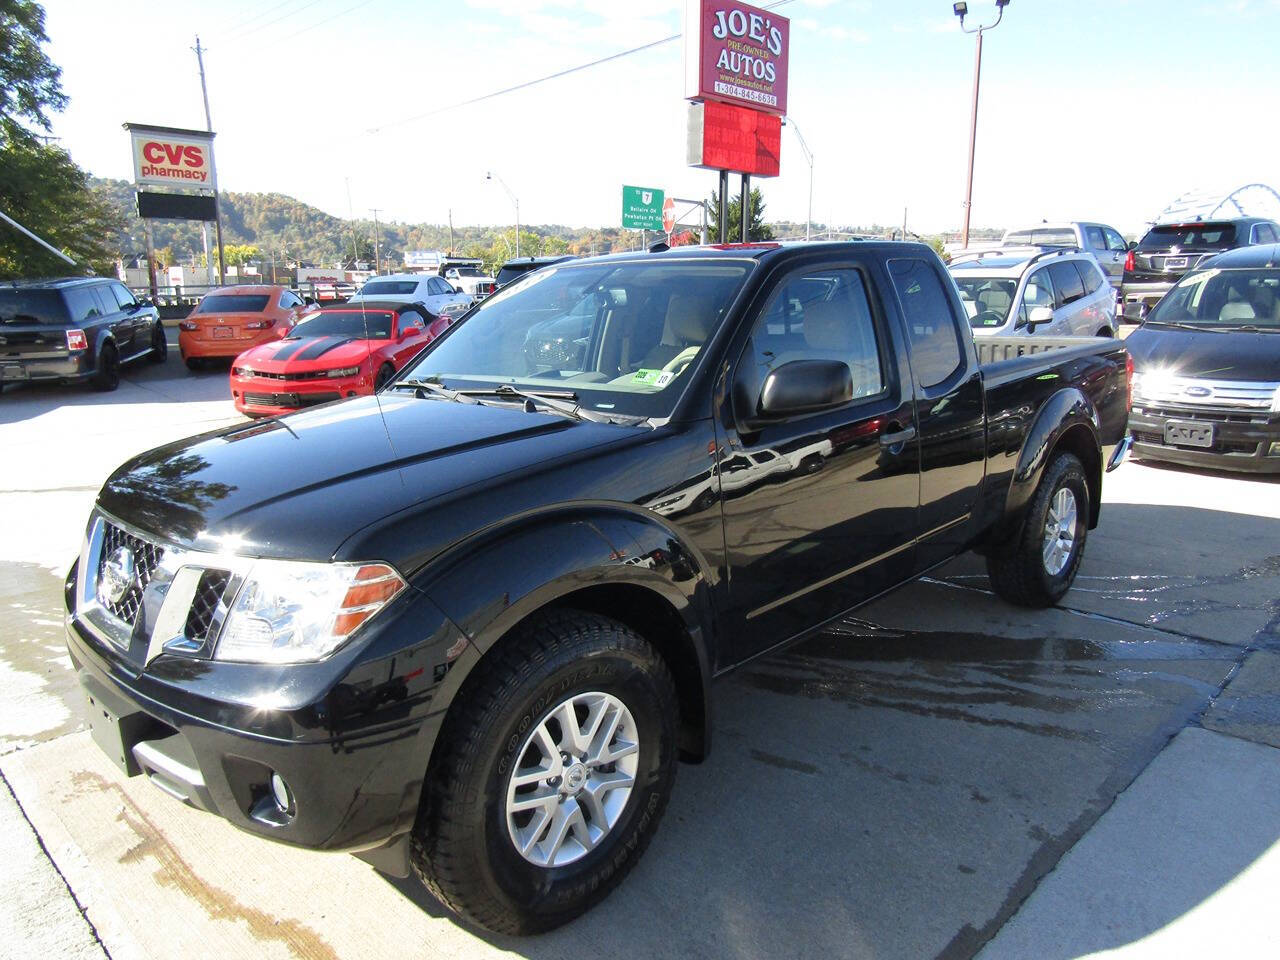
(736, 53)
(725, 137)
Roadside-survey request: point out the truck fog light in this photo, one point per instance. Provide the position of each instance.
(1274, 449)
(280, 793)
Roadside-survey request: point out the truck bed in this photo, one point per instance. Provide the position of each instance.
(1012, 358)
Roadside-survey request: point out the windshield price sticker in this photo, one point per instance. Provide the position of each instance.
(654, 378)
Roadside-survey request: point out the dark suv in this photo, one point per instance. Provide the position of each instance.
(1169, 250)
(514, 270)
(75, 329)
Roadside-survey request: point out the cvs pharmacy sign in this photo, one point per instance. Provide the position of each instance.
(176, 158)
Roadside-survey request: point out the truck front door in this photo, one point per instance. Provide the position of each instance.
(820, 510)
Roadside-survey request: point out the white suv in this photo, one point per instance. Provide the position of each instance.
(434, 293)
(1061, 292)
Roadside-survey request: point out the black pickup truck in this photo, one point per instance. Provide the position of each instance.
(465, 626)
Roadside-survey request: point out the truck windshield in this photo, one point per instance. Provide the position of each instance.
(623, 337)
(1223, 298)
(1051, 237)
(987, 300)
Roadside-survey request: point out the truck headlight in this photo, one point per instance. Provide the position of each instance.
(290, 611)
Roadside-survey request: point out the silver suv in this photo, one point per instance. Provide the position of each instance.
(1104, 242)
(1056, 292)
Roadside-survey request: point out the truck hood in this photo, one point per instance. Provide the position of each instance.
(297, 487)
(1208, 354)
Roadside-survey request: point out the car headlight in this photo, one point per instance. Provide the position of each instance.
(290, 611)
(342, 372)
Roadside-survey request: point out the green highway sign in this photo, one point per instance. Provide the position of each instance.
(642, 208)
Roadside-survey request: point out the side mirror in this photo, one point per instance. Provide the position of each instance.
(1133, 245)
(803, 386)
(1039, 317)
(309, 301)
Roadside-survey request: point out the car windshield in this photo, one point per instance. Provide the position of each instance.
(233, 303)
(375, 288)
(1223, 298)
(987, 300)
(1051, 237)
(469, 272)
(362, 324)
(621, 336)
(1196, 236)
(20, 307)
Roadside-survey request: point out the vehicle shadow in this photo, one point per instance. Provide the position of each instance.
(898, 785)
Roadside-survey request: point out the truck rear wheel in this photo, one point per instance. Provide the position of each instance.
(550, 776)
(1038, 568)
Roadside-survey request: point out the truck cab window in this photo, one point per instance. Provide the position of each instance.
(930, 320)
(815, 315)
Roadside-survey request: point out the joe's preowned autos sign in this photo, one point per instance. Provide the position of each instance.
(736, 53)
(172, 159)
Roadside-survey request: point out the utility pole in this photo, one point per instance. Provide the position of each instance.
(351, 216)
(451, 231)
(377, 248)
(808, 223)
(961, 10)
(213, 166)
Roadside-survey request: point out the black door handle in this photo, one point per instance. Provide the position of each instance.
(897, 437)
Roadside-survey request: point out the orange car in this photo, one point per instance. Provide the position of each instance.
(229, 320)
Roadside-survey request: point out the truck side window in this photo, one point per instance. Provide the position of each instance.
(816, 315)
(1115, 241)
(930, 319)
(1095, 239)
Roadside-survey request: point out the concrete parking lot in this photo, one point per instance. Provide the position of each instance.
(942, 775)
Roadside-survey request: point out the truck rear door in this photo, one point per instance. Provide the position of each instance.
(950, 406)
(820, 510)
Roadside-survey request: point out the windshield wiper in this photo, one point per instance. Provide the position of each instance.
(555, 400)
(1184, 326)
(437, 390)
(1251, 328)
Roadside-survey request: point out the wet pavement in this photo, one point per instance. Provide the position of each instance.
(938, 775)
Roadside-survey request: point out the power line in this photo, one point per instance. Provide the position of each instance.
(363, 3)
(236, 27)
(262, 26)
(531, 83)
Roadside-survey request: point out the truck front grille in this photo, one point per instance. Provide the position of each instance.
(145, 558)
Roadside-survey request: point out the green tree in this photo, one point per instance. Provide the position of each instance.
(46, 192)
(30, 85)
(757, 229)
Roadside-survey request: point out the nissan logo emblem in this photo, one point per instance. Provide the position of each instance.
(117, 575)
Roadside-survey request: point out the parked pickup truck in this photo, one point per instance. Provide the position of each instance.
(464, 627)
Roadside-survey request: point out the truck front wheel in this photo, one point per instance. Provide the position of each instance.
(551, 774)
(1038, 568)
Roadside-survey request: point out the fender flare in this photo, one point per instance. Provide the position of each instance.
(490, 582)
(1066, 410)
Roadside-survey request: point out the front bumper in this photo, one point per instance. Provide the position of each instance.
(268, 396)
(1244, 442)
(350, 738)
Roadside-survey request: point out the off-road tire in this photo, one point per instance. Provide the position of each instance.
(106, 376)
(460, 847)
(159, 344)
(1017, 569)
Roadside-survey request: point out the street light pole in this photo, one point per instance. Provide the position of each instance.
(377, 247)
(493, 176)
(808, 223)
(961, 10)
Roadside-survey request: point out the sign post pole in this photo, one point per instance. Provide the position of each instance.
(746, 208)
(723, 213)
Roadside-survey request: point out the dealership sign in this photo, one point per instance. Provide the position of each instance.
(725, 137)
(642, 208)
(171, 157)
(736, 53)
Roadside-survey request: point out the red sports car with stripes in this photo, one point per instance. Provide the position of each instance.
(340, 351)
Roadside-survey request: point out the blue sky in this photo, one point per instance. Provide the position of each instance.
(1092, 109)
